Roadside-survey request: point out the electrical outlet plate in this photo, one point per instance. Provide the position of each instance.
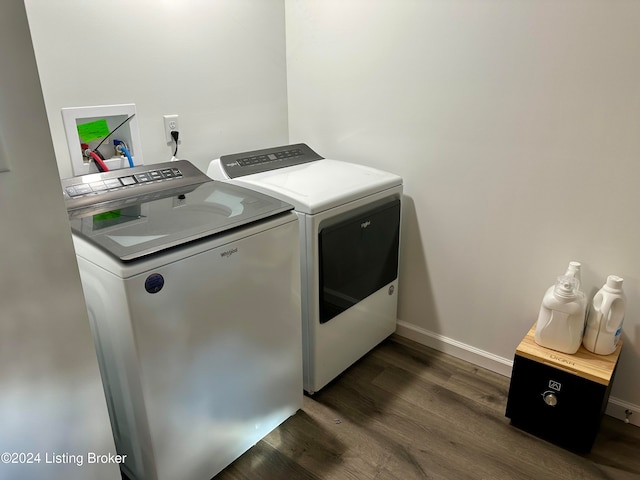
(170, 124)
(114, 115)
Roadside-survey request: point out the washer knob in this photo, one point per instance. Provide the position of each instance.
(550, 399)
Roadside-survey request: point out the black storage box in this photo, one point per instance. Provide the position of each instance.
(560, 397)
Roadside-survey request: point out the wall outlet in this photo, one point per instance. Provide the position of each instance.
(170, 125)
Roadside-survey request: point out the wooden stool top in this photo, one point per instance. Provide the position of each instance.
(583, 363)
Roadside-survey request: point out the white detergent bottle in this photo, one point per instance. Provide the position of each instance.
(560, 323)
(604, 323)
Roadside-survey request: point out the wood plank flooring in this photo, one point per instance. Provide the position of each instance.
(407, 412)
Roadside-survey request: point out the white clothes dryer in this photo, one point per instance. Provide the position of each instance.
(349, 218)
(193, 293)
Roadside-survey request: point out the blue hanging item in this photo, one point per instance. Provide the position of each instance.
(121, 148)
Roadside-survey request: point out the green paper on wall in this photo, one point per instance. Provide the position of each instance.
(93, 130)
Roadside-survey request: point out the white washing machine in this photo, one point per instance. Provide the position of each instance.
(193, 293)
(350, 235)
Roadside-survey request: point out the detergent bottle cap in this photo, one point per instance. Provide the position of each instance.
(575, 266)
(565, 287)
(614, 282)
(573, 270)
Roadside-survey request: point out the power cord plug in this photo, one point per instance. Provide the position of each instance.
(175, 134)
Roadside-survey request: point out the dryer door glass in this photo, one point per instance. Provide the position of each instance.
(358, 256)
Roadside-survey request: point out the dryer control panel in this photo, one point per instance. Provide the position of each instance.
(257, 161)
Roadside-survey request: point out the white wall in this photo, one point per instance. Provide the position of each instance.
(219, 65)
(516, 126)
(51, 396)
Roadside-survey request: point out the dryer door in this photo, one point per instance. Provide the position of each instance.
(358, 256)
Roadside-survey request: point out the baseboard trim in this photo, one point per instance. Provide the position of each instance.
(453, 347)
(616, 408)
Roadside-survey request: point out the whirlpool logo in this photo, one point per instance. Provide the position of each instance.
(365, 224)
(228, 253)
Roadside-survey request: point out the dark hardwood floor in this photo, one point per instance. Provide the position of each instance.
(408, 412)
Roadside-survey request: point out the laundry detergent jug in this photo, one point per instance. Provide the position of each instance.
(561, 318)
(604, 322)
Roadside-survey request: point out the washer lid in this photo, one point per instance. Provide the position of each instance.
(142, 225)
(317, 186)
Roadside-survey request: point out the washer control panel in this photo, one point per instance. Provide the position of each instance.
(81, 188)
(257, 161)
(80, 192)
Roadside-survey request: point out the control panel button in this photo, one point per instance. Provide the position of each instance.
(71, 191)
(112, 183)
(167, 173)
(127, 180)
(82, 189)
(143, 177)
(98, 186)
(155, 175)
